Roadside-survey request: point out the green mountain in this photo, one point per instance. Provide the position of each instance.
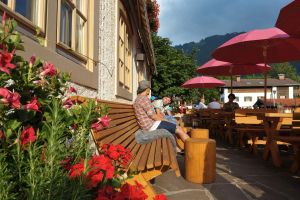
(204, 48)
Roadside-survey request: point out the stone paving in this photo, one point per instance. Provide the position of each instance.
(240, 175)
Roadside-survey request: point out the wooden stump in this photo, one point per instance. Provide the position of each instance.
(200, 160)
(200, 133)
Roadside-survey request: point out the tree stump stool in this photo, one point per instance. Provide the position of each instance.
(200, 133)
(200, 160)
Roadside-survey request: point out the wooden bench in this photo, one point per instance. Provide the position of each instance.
(294, 139)
(150, 159)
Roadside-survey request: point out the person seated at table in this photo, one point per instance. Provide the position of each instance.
(201, 104)
(146, 116)
(162, 107)
(230, 105)
(214, 104)
(259, 104)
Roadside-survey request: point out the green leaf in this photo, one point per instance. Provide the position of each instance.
(13, 124)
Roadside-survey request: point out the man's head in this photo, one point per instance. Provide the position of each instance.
(166, 100)
(144, 86)
(231, 97)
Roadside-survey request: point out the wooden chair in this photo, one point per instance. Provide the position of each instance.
(150, 159)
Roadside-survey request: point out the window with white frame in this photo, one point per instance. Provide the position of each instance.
(124, 57)
(73, 24)
(31, 10)
(237, 99)
(248, 99)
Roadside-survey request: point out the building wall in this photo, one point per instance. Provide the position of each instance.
(108, 53)
(82, 77)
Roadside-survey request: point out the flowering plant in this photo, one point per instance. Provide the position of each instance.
(153, 12)
(45, 143)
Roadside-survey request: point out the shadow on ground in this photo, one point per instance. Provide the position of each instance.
(240, 175)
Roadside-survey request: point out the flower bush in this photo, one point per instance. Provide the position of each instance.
(153, 12)
(45, 143)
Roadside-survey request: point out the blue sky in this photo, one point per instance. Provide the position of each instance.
(192, 20)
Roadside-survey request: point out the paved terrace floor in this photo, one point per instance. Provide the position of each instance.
(240, 175)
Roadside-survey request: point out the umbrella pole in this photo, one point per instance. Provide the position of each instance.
(265, 86)
(231, 84)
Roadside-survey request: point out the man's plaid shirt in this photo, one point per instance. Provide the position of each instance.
(143, 110)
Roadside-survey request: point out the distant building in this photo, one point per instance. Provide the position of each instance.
(105, 45)
(247, 91)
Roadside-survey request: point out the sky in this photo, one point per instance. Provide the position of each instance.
(185, 21)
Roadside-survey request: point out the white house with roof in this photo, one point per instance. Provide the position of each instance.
(247, 91)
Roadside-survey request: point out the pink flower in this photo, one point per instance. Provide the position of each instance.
(48, 69)
(105, 121)
(27, 136)
(68, 103)
(4, 18)
(72, 90)
(32, 60)
(10, 98)
(97, 126)
(5, 61)
(33, 105)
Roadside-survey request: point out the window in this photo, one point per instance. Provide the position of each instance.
(282, 97)
(247, 99)
(124, 58)
(73, 25)
(237, 99)
(31, 10)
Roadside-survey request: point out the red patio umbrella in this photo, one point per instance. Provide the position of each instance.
(270, 45)
(288, 19)
(220, 68)
(203, 82)
(260, 46)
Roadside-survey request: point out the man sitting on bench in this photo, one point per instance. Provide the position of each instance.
(146, 115)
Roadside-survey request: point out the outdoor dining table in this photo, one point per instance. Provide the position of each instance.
(272, 125)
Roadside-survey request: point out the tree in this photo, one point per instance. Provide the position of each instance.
(284, 68)
(173, 69)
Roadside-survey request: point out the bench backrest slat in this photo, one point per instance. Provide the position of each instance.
(144, 158)
(150, 161)
(158, 157)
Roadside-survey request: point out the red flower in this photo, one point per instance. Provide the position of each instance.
(72, 90)
(76, 170)
(3, 18)
(160, 197)
(110, 172)
(66, 163)
(27, 136)
(33, 105)
(113, 152)
(131, 192)
(2, 135)
(105, 121)
(48, 69)
(99, 162)
(10, 98)
(94, 179)
(5, 61)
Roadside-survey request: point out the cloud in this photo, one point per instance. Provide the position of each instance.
(192, 20)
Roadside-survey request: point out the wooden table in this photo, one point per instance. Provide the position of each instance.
(272, 124)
